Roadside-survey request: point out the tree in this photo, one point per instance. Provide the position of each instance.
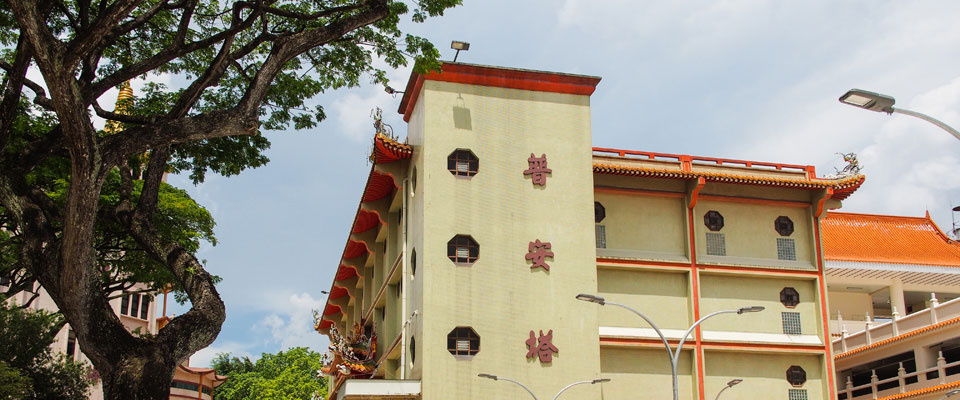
(248, 65)
(285, 375)
(30, 370)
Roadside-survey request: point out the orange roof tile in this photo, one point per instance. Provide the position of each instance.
(921, 392)
(887, 239)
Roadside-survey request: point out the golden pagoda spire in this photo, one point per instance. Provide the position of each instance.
(124, 103)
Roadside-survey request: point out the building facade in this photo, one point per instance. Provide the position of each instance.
(475, 236)
(893, 284)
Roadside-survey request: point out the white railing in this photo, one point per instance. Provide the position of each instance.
(900, 379)
(873, 331)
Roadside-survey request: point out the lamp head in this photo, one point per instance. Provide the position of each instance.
(390, 90)
(458, 45)
(868, 100)
(488, 376)
(591, 298)
(734, 382)
(952, 392)
(601, 380)
(750, 309)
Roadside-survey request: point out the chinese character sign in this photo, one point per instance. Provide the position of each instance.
(542, 346)
(538, 251)
(538, 169)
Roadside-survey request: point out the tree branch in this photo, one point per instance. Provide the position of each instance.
(89, 39)
(13, 85)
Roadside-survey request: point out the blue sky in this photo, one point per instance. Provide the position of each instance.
(748, 79)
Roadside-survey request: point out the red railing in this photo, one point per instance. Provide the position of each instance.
(686, 160)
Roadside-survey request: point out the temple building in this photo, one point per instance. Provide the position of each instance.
(893, 285)
(474, 243)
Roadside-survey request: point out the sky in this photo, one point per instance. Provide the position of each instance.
(745, 79)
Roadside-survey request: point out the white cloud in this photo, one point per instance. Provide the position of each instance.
(291, 323)
(203, 357)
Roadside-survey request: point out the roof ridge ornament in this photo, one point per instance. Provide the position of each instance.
(853, 167)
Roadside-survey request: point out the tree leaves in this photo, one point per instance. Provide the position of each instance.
(285, 375)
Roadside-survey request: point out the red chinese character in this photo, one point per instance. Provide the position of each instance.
(538, 168)
(537, 251)
(542, 346)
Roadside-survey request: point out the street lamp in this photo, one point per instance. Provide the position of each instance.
(500, 378)
(673, 356)
(882, 103)
(950, 393)
(593, 382)
(732, 383)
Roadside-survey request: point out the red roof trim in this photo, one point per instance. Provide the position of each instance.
(338, 292)
(510, 78)
(345, 272)
(366, 220)
(379, 186)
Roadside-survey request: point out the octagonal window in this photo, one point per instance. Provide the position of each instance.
(789, 297)
(796, 375)
(599, 212)
(462, 249)
(783, 225)
(463, 341)
(463, 162)
(713, 220)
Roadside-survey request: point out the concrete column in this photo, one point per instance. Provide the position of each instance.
(896, 296)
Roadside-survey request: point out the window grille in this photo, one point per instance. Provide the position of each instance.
(463, 163)
(796, 375)
(786, 249)
(716, 244)
(789, 297)
(713, 220)
(791, 323)
(599, 212)
(463, 341)
(144, 306)
(601, 237)
(783, 225)
(463, 249)
(796, 394)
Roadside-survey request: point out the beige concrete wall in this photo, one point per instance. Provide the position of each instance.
(500, 296)
(413, 285)
(750, 235)
(730, 292)
(644, 373)
(644, 223)
(850, 305)
(764, 375)
(663, 295)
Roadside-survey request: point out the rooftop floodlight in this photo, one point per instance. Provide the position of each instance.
(488, 376)
(390, 90)
(868, 100)
(750, 309)
(458, 45)
(734, 382)
(591, 298)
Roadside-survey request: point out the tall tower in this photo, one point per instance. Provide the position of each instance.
(501, 225)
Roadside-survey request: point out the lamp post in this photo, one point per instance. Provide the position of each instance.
(732, 383)
(882, 103)
(500, 378)
(673, 356)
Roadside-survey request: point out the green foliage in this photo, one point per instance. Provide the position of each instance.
(13, 384)
(29, 366)
(282, 376)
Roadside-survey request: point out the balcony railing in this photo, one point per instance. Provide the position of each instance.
(939, 372)
(874, 332)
